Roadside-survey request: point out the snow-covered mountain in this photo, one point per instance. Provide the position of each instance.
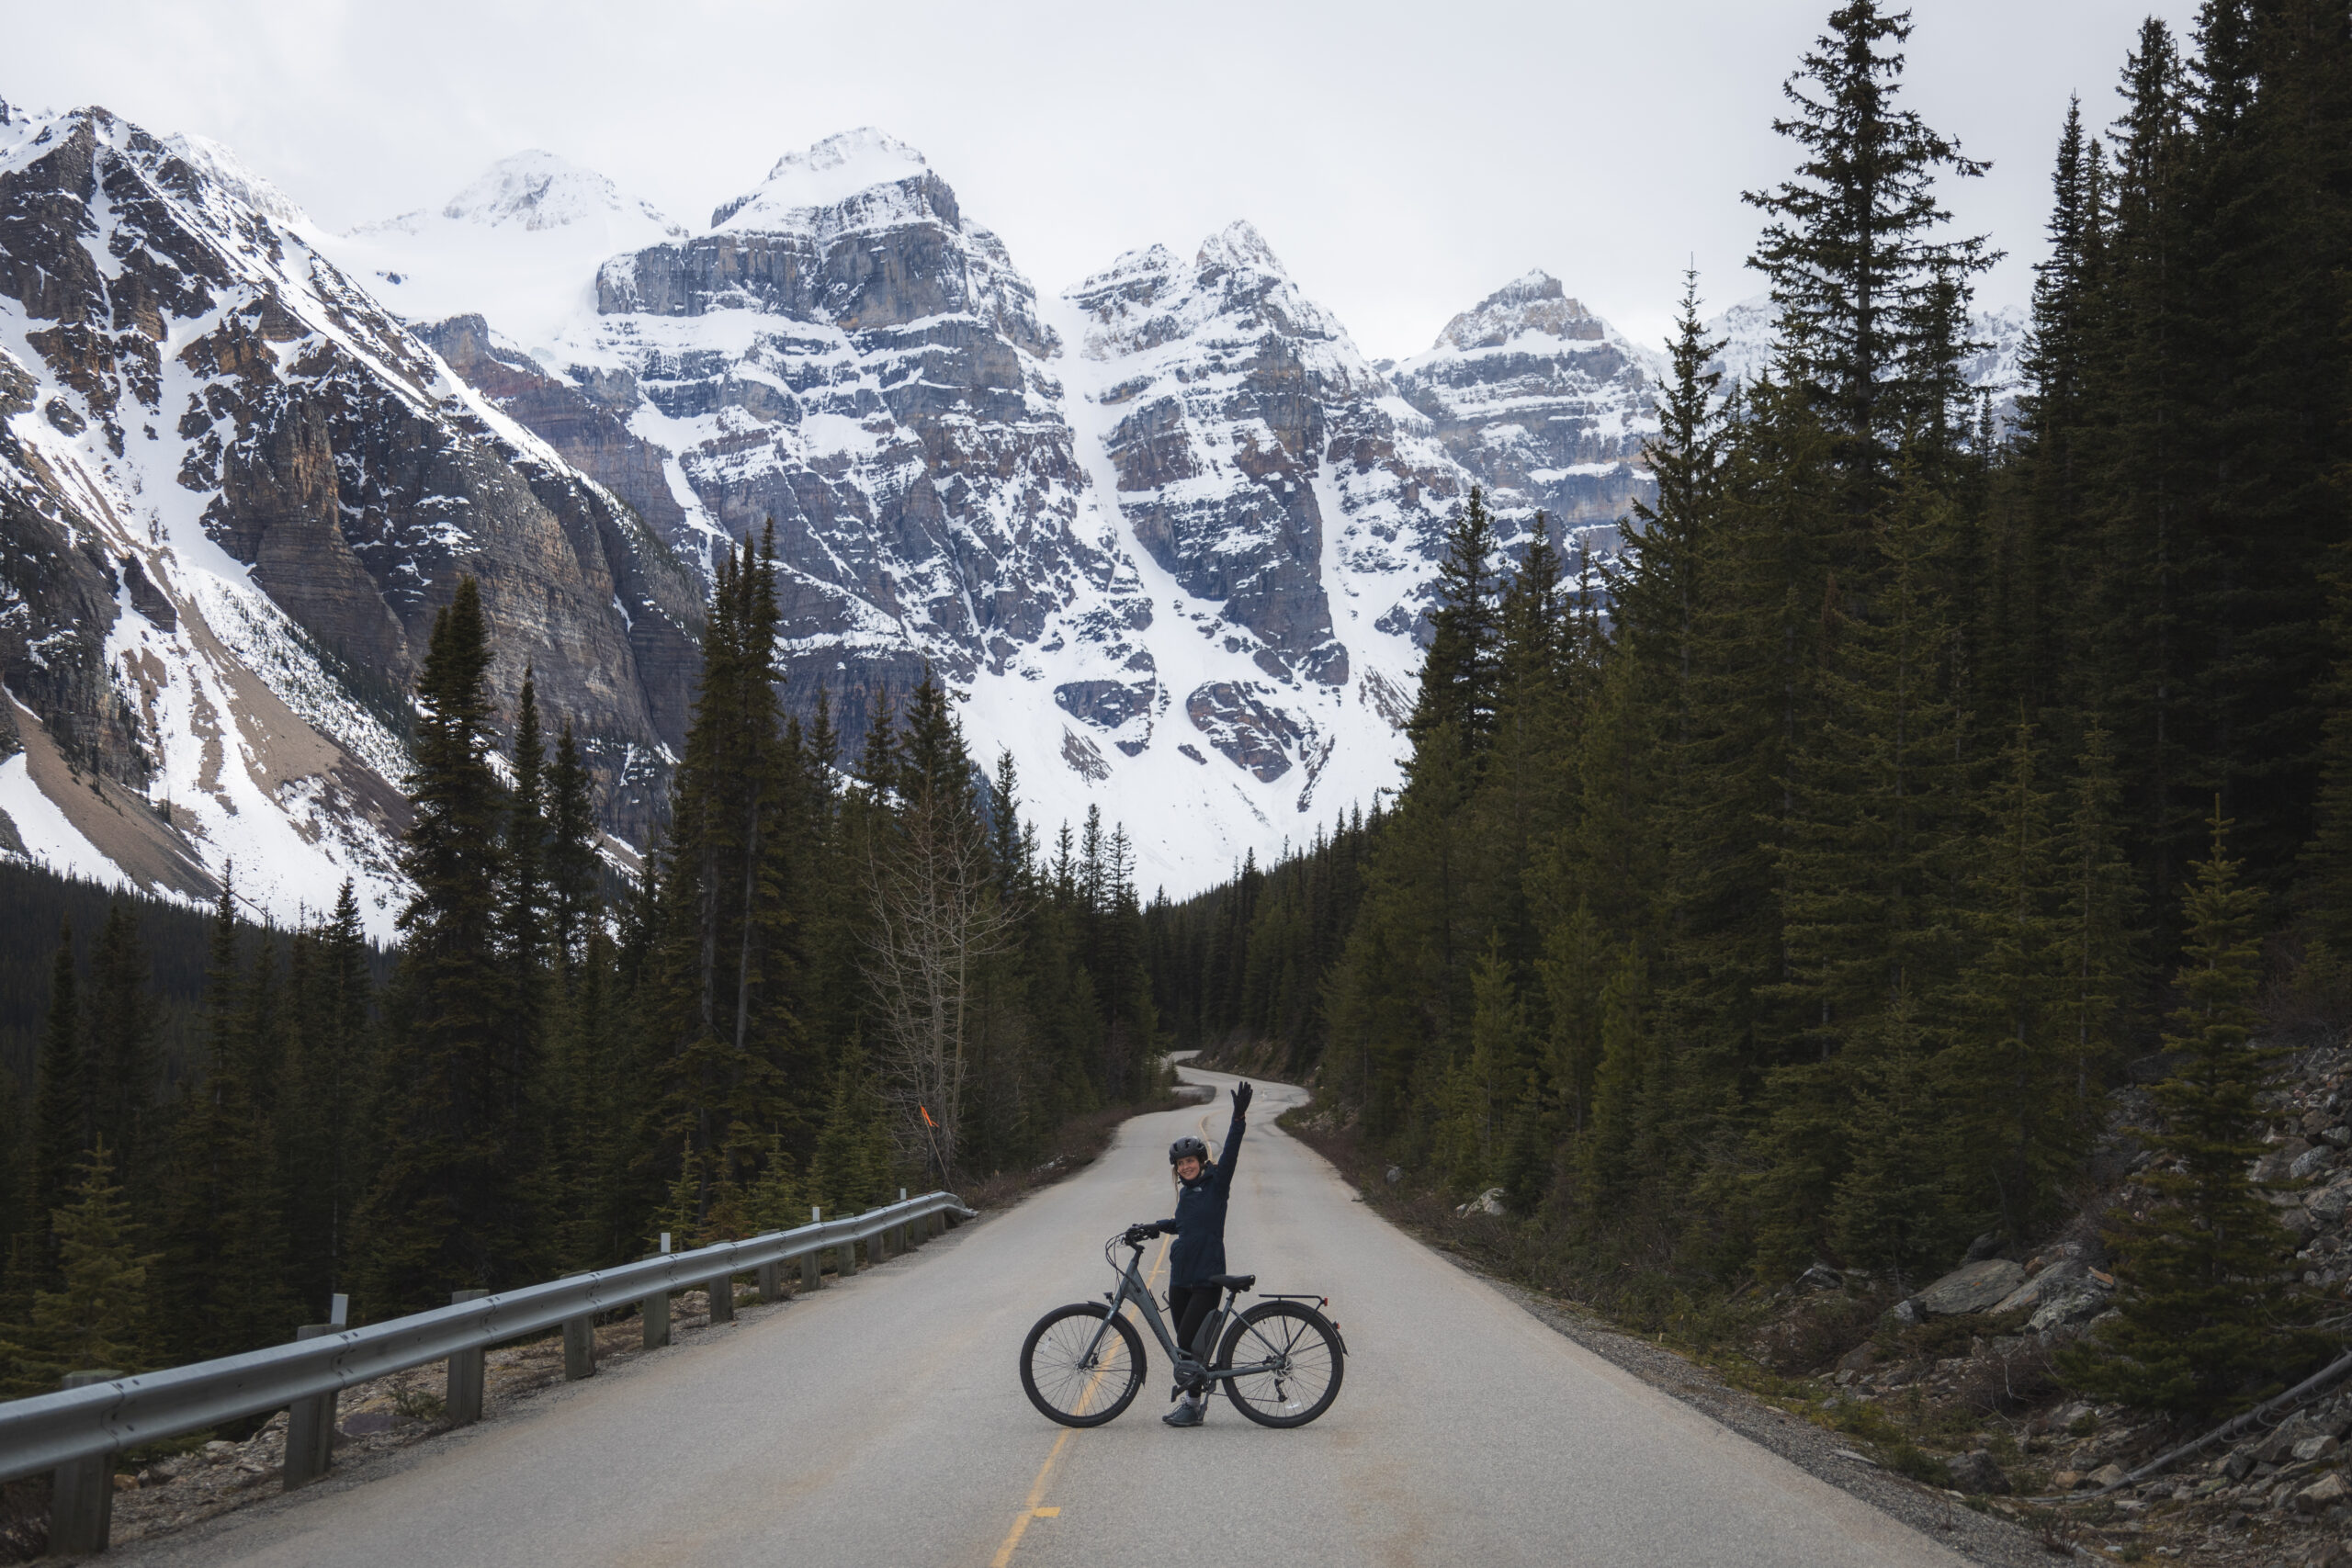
(1546, 402)
(519, 246)
(1166, 534)
(233, 492)
(1997, 364)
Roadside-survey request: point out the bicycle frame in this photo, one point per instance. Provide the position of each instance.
(1132, 1289)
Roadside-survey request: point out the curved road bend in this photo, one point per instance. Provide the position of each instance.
(883, 1423)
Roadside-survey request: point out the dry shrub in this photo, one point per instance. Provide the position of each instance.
(1816, 1330)
(2003, 1381)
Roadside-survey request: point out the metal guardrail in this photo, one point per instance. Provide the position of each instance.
(53, 1430)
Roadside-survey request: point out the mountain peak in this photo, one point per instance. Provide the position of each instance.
(1236, 245)
(1534, 303)
(536, 189)
(826, 174)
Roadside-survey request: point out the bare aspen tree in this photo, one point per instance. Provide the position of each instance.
(938, 918)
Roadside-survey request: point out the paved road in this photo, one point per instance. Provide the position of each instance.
(883, 1421)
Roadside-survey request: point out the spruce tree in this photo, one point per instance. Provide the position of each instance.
(2205, 1299)
(2011, 1067)
(1852, 249)
(1458, 673)
(574, 874)
(123, 1056)
(525, 916)
(1893, 1208)
(97, 1318)
(58, 1119)
(450, 1202)
(326, 1133)
(223, 1265)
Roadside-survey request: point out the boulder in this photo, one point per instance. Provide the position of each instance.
(2310, 1163)
(2106, 1476)
(2045, 1284)
(1976, 1474)
(2324, 1493)
(2329, 1204)
(2310, 1448)
(1972, 1287)
(2072, 1301)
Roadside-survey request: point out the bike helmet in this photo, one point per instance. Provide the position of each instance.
(1183, 1147)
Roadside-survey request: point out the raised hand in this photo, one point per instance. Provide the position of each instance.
(1241, 1097)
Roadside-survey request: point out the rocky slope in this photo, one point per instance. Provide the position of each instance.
(236, 491)
(1545, 404)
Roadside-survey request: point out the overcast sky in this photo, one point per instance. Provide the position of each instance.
(1403, 160)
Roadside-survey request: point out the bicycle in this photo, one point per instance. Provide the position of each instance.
(1083, 1364)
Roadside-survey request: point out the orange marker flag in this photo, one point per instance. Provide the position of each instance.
(926, 1116)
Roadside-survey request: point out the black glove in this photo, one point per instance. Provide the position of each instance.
(1242, 1099)
(1137, 1235)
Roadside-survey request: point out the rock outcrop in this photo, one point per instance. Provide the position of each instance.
(1545, 404)
(237, 492)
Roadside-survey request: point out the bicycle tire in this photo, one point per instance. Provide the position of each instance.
(1075, 1388)
(1305, 1342)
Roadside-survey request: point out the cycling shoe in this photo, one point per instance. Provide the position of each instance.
(1189, 1414)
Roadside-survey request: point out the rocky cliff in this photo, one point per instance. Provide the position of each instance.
(1544, 402)
(237, 492)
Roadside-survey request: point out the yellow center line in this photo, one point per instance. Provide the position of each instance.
(1030, 1510)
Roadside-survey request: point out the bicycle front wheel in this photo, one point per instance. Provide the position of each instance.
(1297, 1362)
(1077, 1371)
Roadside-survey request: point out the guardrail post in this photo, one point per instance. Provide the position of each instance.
(722, 1298)
(812, 1262)
(579, 1349)
(81, 1494)
(310, 1427)
(655, 1309)
(461, 1400)
(771, 1278)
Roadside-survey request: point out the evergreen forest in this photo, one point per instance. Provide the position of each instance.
(832, 979)
(1795, 886)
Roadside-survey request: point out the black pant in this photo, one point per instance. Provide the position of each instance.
(1188, 1308)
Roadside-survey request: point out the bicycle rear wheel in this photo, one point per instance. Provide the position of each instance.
(1302, 1359)
(1077, 1374)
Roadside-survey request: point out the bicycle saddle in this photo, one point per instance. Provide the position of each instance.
(1233, 1281)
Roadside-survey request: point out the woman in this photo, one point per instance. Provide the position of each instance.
(1202, 1188)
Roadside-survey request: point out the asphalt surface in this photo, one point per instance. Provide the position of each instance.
(882, 1422)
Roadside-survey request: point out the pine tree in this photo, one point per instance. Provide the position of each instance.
(1458, 673)
(728, 997)
(449, 1205)
(525, 918)
(59, 1118)
(1858, 276)
(2011, 1068)
(573, 868)
(97, 1317)
(851, 1171)
(122, 1055)
(326, 1134)
(1893, 1208)
(2204, 1270)
(224, 1266)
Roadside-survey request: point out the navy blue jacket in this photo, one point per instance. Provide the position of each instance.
(1199, 1225)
